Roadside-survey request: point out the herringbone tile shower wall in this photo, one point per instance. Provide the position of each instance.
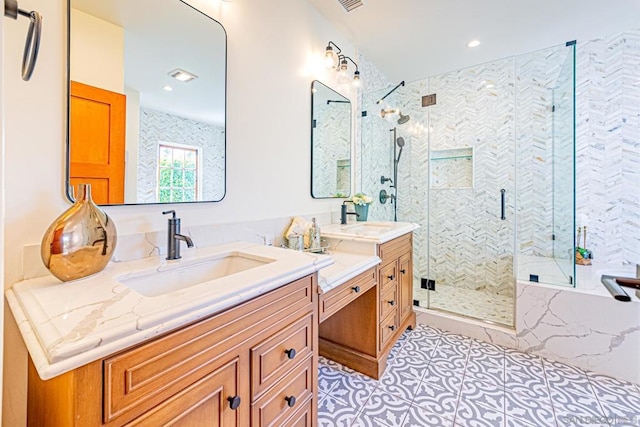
(504, 111)
(608, 145)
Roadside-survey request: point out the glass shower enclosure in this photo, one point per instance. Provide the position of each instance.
(487, 172)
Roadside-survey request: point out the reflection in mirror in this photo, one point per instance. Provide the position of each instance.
(147, 95)
(330, 143)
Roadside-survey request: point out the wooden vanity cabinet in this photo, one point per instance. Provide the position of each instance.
(254, 364)
(358, 330)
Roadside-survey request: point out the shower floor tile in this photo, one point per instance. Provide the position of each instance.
(409, 394)
(468, 302)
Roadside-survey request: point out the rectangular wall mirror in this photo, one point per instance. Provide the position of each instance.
(330, 143)
(147, 102)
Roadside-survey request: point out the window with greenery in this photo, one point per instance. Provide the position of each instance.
(177, 173)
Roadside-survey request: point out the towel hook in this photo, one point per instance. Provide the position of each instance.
(32, 43)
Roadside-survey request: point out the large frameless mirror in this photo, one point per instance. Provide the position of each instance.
(147, 97)
(330, 143)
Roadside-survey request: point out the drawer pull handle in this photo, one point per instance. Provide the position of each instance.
(291, 353)
(356, 289)
(391, 277)
(392, 303)
(392, 327)
(234, 402)
(403, 271)
(291, 400)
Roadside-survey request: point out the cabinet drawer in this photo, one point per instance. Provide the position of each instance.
(303, 417)
(204, 403)
(276, 356)
(388, 328)
(141, 378)
(391, 250)
(339, 297)
(283, 400)
(388, 301)
(388, 276)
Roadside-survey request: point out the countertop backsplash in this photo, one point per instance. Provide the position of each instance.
(143, 245)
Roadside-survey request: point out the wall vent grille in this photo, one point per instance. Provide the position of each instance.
(349, 5)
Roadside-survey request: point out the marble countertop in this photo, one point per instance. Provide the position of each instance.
(67, 325)
(368, 231)
(350, 257)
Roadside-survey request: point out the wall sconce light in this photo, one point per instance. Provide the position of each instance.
(339, 62)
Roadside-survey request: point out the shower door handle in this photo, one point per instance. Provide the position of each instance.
(502, 204)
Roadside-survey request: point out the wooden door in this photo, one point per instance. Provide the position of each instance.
(97, 141)
(206, 403)
(405, 285)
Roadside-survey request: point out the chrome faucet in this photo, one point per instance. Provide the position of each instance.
(174, 236)
(344, 213)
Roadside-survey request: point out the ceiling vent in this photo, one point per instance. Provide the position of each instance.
(351, 4)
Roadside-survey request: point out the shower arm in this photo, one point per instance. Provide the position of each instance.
(390, 92)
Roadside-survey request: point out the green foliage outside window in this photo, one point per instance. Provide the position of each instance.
(177, 174)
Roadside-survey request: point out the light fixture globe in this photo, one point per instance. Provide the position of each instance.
(330, 57)
(343, 64)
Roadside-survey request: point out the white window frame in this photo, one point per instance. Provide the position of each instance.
(199, 171)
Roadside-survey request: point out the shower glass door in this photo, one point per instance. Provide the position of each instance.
(564, 168)
(472, 192)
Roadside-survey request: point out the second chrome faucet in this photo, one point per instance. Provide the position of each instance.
(174, 237)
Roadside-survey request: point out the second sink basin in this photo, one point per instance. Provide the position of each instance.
(175, 277)
(367, 228)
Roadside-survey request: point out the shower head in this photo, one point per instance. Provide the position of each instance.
(400, 142)
(403, 119)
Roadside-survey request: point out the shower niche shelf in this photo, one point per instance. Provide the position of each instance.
(451, 168)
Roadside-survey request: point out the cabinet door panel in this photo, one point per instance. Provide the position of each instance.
(203, 404)
(405, 285)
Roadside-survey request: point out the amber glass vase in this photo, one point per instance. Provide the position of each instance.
(81, 241)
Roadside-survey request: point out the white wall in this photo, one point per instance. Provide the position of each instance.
(97, 52)
(133, 145)
(272, 47)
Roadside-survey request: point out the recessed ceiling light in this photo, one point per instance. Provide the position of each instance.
(167, 88)
(182, 75)
(473, 43)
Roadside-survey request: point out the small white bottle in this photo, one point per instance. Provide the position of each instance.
(314, 236)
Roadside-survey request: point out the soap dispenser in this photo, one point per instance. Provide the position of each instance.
(314, 236)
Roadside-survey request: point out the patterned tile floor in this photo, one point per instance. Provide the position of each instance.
(435, 378)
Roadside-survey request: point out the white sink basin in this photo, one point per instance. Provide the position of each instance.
(368, 228)
(182, 275)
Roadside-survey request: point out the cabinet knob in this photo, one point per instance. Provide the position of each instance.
(356, 289)
(403, 271)
(291, 353)
(392, 327)
(392, 303)
(391, 277)
(291, 400)
(234, 402)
